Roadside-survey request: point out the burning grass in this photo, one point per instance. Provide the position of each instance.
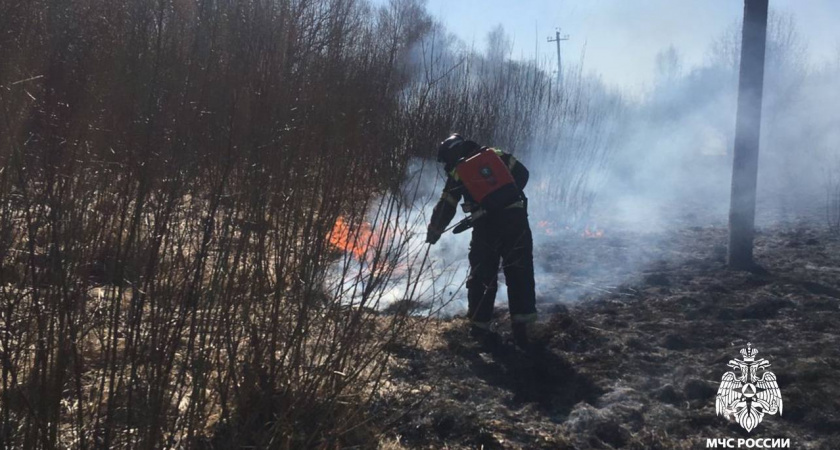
(592, 233)
(551, 229)
(354, 241)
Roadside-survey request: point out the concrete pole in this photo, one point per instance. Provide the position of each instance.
(558, 39)
(747, 132)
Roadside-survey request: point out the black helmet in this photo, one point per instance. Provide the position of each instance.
(448, 150)
(454, 148)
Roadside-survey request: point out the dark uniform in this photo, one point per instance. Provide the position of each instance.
(502, 236)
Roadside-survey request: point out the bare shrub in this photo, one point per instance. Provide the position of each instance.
(205, 205)
(172, 175)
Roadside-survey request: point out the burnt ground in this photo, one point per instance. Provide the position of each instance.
(636, 361)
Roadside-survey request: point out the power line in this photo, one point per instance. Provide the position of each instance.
(558, 38)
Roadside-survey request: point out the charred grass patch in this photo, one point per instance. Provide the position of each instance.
(639, 366)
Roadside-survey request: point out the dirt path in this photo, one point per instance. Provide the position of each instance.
(637, 363)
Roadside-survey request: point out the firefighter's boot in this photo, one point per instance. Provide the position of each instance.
(520, 335)
(485, 337)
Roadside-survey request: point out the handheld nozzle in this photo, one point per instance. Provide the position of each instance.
(462, 226)
(467, 223)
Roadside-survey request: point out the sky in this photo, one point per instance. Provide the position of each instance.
(622, 37)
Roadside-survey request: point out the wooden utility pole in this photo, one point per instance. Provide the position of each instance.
(558, 39)
(747, 132)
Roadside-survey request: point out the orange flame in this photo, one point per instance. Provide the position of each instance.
(593, 233)
(352, 241)
(546, 227)
(363, 244)
(589, 232)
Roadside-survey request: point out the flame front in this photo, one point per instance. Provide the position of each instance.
(369, 246)
(351, 241)
(546, 227)
(593, 233)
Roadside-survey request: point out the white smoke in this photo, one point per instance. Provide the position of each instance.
(657, 163)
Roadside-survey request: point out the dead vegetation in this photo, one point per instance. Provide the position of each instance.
(190, 194)
(171, 176)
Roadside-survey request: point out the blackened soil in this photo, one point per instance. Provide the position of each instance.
(637, 363)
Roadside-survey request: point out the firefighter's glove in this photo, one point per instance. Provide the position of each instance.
(432, 236)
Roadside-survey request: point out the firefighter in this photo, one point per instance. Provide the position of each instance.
(491, 183)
